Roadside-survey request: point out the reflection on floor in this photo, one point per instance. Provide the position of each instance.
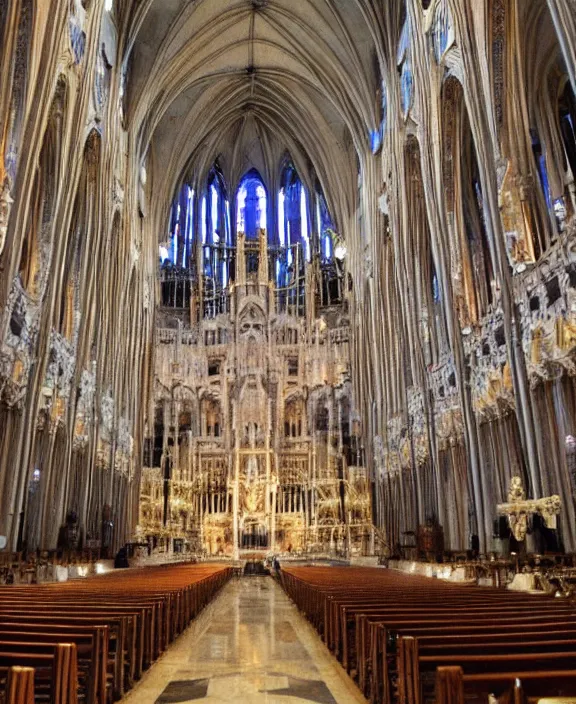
(250, 645)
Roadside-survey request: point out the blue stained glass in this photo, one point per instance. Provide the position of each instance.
(203, 220)
(442, 31)
(384, 110)
(251, 206)
(404, 42)
(281, 218)
(325, 219)
(435, 288)
(544, 179)
(77, 39)
(304, 222)
(407, 86)
(228, 225)
(375, 140)
(190, 225)
(214, 214)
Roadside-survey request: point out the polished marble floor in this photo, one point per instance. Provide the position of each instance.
(250, 645)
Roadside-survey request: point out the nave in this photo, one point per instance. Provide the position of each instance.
(250, 645)
(325, 634)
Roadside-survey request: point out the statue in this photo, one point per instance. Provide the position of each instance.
(69, 538)
(518, 521)
(565, 334)
(251, 469)
(107, 531)
(519, 508)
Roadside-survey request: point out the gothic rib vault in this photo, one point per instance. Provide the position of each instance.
(443, 147)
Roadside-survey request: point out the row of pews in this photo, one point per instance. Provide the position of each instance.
(414, 640)
(90, 640)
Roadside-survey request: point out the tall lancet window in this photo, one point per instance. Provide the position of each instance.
(325, 228)
(251, 206)
(217, 242)
(218, 213)
(293, 224)
(177, 250)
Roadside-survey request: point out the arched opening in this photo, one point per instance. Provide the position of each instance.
(293, 418)
(474, 286)
(37, 244)
(322, 417)
(567, 119)
(552, 114)
(218, 260)
(211, 415)
(178, 254)
(293, 220)
(251, 206)
(84, 221)
(18, 88)
(331, 255)
(291, 249)
(428, 298)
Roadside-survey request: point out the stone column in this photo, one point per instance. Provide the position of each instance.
(273, 519)
(236, 503)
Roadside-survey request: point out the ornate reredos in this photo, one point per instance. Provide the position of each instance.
(252, 409)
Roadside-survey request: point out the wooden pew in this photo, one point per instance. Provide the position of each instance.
(416, 672)
(120, 622)
(455, 687)
(383, 661)
(358, 610)
(19, 686)
(56, 671)
(92, 652)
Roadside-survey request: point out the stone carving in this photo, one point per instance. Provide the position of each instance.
(62, 365)
(379, 455)
(84, 409)
(124, 440)
(106, 416)
(6, 202)
(518, 509)
(118, 193)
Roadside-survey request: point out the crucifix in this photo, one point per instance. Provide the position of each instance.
(519, 508)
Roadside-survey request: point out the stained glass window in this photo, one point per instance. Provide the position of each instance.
(251, 206)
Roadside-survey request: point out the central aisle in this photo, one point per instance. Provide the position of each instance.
(250, 645)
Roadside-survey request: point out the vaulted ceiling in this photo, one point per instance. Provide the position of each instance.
(245, 81)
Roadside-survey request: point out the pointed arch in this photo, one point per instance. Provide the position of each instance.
(428, 299)
(37, 245)
(251, 205)
(472, 259)
(84, 221)
(12, 129)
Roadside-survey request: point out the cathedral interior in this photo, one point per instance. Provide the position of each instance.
(288, 281)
